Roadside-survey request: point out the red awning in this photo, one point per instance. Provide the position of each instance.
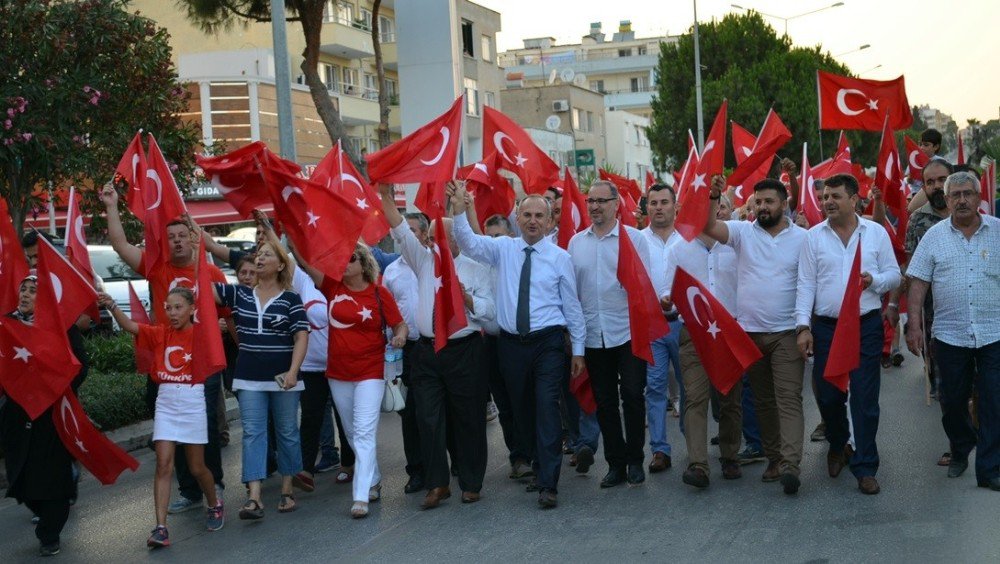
(42, 221)
(218, 212)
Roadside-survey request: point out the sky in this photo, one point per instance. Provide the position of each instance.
(944, 48)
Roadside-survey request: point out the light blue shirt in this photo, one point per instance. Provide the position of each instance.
(965, 276)
(554, 300)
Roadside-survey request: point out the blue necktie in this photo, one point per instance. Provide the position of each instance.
(523, 295)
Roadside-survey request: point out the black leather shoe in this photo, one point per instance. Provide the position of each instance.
(956, 467)
(614, 477)
(635, 475)
(547, 499)
(696, 477)
(414, 485)
(790, 482)
(991, 483)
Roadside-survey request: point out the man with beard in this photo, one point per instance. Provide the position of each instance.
(767, 267)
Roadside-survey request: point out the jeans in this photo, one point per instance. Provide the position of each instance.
(751, 429)
(959, 368)
(361, 405)
(284, 409)
(666, 353)
(188, 486)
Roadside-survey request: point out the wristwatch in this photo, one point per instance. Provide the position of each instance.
(801, 328)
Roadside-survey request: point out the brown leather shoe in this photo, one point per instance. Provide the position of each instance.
(547, 499)
(868, 485)
(470, 497)
(835, 462)
(660, 463)
(434, 497)
(772, 473)
(731, 470)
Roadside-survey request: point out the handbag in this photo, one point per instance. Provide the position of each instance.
(394, 395)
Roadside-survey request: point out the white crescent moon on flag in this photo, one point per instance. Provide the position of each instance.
(708, 147)
(913, 160)
(65, 408)
(336, 300)
(842, 103)
(155, 177)
(692, 293)
(217, 182)
(56, 286)
(176, 281)
(287, 191)
(344, 177)
(498, 138)
(166, 359)
(888, 166)
(445, 136)
(135, 171)
(308, 305)
(78, 229)
(575, 214)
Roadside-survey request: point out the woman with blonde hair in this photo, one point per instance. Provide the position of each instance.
(273, 331)
(363, 319)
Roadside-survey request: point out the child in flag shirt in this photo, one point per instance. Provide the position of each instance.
(180, 415)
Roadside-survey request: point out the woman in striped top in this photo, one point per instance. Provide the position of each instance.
(273, 332)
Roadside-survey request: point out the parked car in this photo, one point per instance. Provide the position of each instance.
(115, 276)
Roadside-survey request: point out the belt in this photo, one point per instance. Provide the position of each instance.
(833, 320)
(430, 340)
(534, 335)
(672, 316)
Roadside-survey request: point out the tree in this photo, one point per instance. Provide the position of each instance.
(746, 62)
(77, 79)
(213, 16)
(383, 94)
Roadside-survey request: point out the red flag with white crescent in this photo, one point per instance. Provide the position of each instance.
(693, 215)
(337, 173)
(856, 103)
(103, 458)
(574, 217)
(916, 159)
(163, 204)
(76, 248)
(807, 182)
(645, 317)
(13, 264)
(519, 152)
(429, 154)
(132, 170)
(449, 304)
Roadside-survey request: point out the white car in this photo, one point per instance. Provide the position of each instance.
(115, 276)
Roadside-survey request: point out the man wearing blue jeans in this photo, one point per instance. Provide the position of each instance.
(754, 450)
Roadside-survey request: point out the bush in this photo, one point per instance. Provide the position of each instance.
(114, 399)
(111, 353)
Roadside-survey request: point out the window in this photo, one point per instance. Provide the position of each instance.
(489, 99)
(350, 80)
(590, 121)
(386, 29)
(639, 84)
(597, 86)
(371, 87)
(329, 11)
(366, 17)
(624, 52)
(329, 74)
(471, 97)
(392, 89)
(345, 13)
(576, 119)
(486, 47)
(467, 39)
(642, 50)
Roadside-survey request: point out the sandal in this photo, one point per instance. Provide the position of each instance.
(304, 482)
(251, 511)
(945, 459)
(345, 476)
(375, 492)
(359, 510)
(287, 504)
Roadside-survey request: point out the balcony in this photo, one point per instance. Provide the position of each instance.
(390, 56)
(627, 99)
(358, 105)
(346, 39)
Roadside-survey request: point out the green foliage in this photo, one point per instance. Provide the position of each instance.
(113, 353)
(746, 62)
(114, 399)
(77, 80)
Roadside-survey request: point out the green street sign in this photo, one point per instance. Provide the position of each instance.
(584, 157)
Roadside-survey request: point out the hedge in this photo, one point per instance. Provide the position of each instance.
(113, 394)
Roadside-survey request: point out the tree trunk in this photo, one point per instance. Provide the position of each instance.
(383, 95)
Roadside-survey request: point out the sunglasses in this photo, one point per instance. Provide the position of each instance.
(354, 258)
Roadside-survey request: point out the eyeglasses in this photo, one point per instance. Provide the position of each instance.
(354, 258)
(593, 201)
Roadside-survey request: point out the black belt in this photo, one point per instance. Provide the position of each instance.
(673, 316)
(534, 335)
(833, 320)
(469, 337)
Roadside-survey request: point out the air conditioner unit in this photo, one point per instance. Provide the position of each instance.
(560, 105)
(301, 79)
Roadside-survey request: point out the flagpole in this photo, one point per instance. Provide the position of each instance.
(819, 117)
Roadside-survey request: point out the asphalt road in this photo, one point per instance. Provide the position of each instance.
(920, 516)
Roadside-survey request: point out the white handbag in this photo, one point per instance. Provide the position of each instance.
(394, 398)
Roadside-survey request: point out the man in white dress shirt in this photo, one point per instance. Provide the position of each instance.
(824, 268)
(613, 369)
(536, 303)
(767, 269)
(450, 381)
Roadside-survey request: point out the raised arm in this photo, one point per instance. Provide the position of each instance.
(218, 250)
(128, 252)
(124, 321)
(481, 248)
(789, 168)
(714, 228)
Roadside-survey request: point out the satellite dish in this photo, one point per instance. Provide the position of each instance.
(580, 80)
(567, 75)
(552, 76)
(553, 122)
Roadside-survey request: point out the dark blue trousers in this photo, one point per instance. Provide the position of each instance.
(533, 368)
(864, 392)
(958, 368)
(751, 429)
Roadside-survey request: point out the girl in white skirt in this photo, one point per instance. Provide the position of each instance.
(180, 416)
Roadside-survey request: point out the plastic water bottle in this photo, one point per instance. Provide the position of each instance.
(393, 362)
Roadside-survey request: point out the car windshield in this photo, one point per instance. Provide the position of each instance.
(109, 266)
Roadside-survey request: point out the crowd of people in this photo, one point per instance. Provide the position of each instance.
(309, 350)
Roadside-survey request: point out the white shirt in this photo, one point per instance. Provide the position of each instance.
(421, 260)
(402, 282)
(714, 267)
(490, 325)
(479, 282)
(604, 300)
(965, 276)
(553, 301)
(825, 265)
(767, 270)
(658, 265)
(314, 302)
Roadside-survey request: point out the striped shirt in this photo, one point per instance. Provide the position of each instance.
(266, 333)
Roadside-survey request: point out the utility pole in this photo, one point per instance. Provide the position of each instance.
(283, 81)
(697, 83)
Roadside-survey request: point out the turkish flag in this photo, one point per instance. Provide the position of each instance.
(773, 136)
(13, 264)
(76, 248)
(626, 209)
(103, 458)
(583, 392)
(520, 154)
(807, 182)
(645, 317)
(864, 181)
(493, 194)
(693, 215)
(73, 293)
(163, 204)
(855, 103)
(888, 175)
(840, 163)
(132, 170)
(961, 149)
(144, 358)
(650, 180)
(686, 174)
(323, 224)
(743, 142)
(726, 351)
(574, 217)
(916, 159)
(898, 239)
(431, 199)
(208, 357)
(845, 349)
(988, 189)
(449, 302)
(623, 184)
(428, 154)
(239, 177)
(337, 173)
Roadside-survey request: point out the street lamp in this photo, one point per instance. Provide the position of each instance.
(862, 48)
(738, 7)
(871, 69)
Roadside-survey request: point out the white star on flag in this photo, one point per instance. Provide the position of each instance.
(313, 218)
(520, 160)
(362, 203)
(438, 284)
(187, 357)
(699, 181)
(79, 445)
(713, 329)
(365, 314)
(873, 105)
(21, 353)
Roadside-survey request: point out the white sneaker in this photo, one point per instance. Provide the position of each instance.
(491, 411)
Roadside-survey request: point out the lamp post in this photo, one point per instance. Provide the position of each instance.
(697, 82)
(862, 48)
(785, 19)
(283, 81)
(871, 69)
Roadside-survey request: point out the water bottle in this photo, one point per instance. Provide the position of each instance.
(393, 362)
